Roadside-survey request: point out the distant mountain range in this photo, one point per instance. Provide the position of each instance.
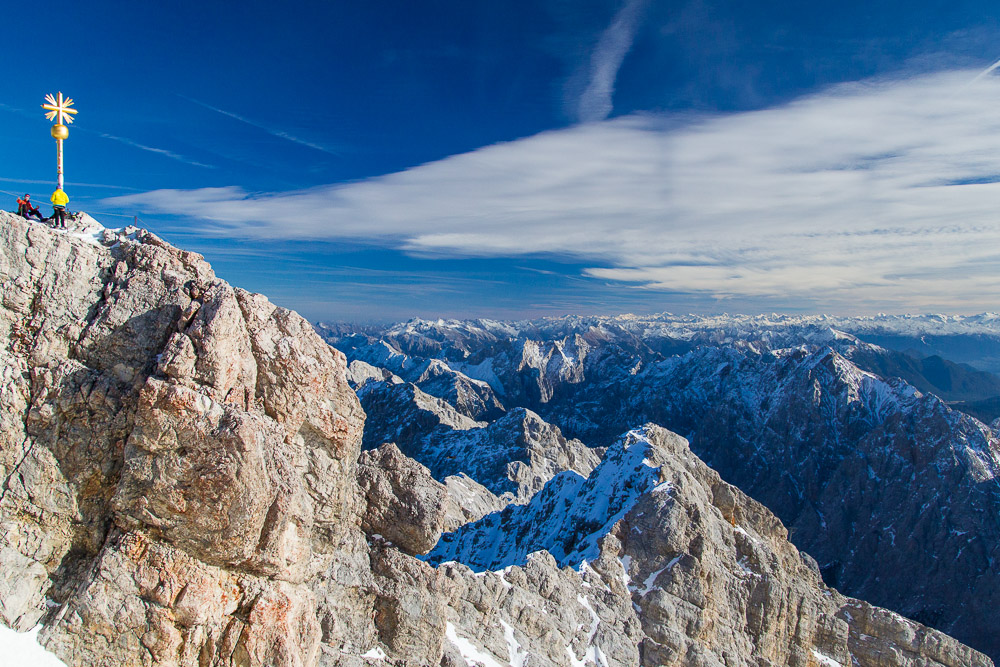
(955, 357)
(851, 443)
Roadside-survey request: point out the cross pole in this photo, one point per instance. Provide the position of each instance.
(58, 109)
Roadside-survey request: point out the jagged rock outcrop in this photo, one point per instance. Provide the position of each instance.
(181, 487)
(408, 414)
(567, 517)
(514, 455)
(472, 397)
(707, 573)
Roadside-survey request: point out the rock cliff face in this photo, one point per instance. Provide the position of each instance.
(178, 457)
(182, 486)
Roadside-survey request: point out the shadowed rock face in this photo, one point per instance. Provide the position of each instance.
(181, 487)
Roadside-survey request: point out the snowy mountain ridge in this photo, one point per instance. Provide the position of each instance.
(567, 517)
(688, 326)
(811, 421)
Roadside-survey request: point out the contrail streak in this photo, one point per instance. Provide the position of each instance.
(596, 101)
(986, 71)
(276, 133)
(29, 181)
(159, 151)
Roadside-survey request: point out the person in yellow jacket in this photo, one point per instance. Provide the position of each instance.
(59, 201)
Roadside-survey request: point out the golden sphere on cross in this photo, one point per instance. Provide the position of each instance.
(60, 131)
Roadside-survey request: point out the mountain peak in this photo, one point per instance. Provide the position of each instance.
(181, 486)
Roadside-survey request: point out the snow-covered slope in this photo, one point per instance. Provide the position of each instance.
(17, 648)
(567, 517)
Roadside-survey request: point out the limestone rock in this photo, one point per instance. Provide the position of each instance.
(468, 501)
(177, 455)
(405, 505)
(147, 603)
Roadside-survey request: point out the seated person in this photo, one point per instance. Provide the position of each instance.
(25, 209)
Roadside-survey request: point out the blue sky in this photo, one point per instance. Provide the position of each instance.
(383, 160)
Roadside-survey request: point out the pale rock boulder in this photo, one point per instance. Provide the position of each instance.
(360, 373)
(469, 501)
(404, 504)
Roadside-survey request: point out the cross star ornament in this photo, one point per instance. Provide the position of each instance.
(58, 108)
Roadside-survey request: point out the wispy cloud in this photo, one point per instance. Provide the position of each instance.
(159, 151)
(878, 195)
(273, 132)
(596, 101)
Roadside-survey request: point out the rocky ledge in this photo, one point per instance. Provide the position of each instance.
(181, 487)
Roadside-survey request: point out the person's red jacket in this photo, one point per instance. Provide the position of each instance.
(25, 205)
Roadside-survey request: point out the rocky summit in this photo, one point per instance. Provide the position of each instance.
(184, 484)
